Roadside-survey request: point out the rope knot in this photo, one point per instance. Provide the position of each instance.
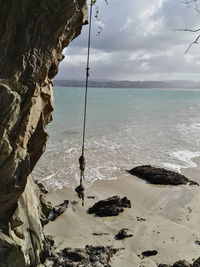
(80, 189)
(80, 192)
(82, 163)
(87, 71)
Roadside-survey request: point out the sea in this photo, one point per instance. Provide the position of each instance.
(124, 128)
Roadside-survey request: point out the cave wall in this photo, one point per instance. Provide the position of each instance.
(32, 37)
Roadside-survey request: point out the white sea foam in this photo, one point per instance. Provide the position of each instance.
(172, 166)
(195, 125)
(48, 177)
(183, 160)
(186, 156)
(107, 158)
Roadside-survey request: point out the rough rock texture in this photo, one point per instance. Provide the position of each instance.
(58, 210)
(85, 257)
(160, 176)
(25, 227)
(33, 35)
(111, 206)
(182, 263)
(196, 263)
(123, 233)
(23, 240)
(149, 253)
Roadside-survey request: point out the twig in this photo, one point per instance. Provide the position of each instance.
(195, 42)
(186, 30)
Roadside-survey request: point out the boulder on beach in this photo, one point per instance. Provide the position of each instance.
(149, 253)
(196, 263)
(123, 233)
(160, 176)
(85, 257)
(111, 206)
(182, 263)
(58, 210)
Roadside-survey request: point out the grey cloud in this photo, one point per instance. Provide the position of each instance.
(137, 41)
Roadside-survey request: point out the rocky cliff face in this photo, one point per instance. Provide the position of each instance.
(33, 35)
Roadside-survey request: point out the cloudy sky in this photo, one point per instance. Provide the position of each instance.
(137, 43)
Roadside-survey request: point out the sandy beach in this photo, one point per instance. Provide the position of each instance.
(162, 218)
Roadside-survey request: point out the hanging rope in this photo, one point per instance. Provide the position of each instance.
(80, 189)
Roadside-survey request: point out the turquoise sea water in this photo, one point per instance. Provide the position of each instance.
(125, 128)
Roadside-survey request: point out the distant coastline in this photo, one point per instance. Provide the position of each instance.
(170, 84)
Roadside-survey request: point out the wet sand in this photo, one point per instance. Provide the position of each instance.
(171, 220)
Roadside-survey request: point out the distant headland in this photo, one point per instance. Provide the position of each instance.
(179, 84)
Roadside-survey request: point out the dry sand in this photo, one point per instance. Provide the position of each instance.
(171, 225)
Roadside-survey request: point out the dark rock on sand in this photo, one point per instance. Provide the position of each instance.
(149, 253)
(77, 255)
(100, 234)
(109, 211)
(160, 176)
(196, 263)
(58, 210)
(110, 207)
(85, 257)
(123, 233)
(139, 219)
(182, 263)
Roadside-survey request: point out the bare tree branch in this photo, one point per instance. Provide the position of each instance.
(189, 4)
(195, 42)
(186, 30)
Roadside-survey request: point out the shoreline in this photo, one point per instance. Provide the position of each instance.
(194, 172)
(170, 226)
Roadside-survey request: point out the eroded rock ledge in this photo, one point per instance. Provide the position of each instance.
(33, 35)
